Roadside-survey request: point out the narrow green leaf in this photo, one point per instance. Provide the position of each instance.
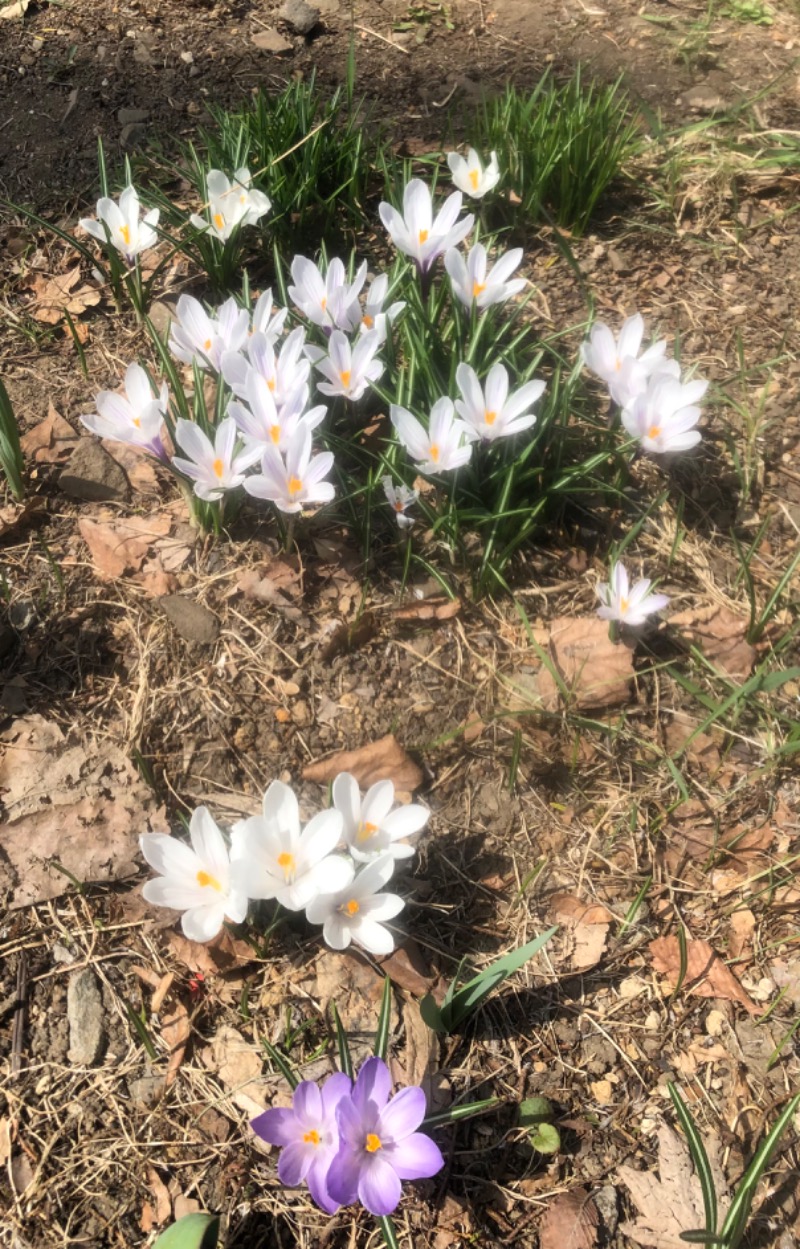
(699, 1158)
(431, 1014)
(736, 1220)
(193, 1231)
(454, 1114)
(281, 1063)
(384, 1020)
(467, 999)
(388, 1232)
(345, 1061)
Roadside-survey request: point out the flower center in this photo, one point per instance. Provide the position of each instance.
(617, 364)
(490, 417)
(125, 231)
(311, 1137)
(219, 468)
(295, 486)
(323, 303)
(287, 862)
(271, 385)
(275, 433)
(423, 236)
(204, 878)
(351, 907)
(373, 1143)
(207, 345)
(365, 831)
(474, 178)
(368, 320)
(623, 606)
(137, 422)
(434, 452)
(654, 431)
(398, 507)
(345, 377)
(477, 289)
(219, 221)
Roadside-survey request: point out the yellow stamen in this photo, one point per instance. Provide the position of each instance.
(137, 422)
(207, 345)
(654, 431)
(365, 831)
(368, 321)
(203, 879)
(423, 236)
(490, 417)
(345, 377)
(219, 221)
(271, 384)
(617, 364)
(275, 433)
(434, 452)
(477, 289)
(219, 468)
(623, 606)
(373, 1143)
(352, 907)
(242, 199)
(295, 486)
(474, 178)
(125, 231)
(311, 1138)
(287, 862)
(398, 507)
(323, 303)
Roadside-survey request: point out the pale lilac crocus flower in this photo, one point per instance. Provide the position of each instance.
(195, 336)
(605, 355)
(125, 231)
(471, 283)
(490, 411)
(445, 445)
(664, 417)
(298, 479)
(216, 466)
(308, 1135)
(630, 605)
(400, 499)
(357, 911)
(262, 423)
(417, 233)
(379, 1142)
(349, 370)
(373, 825)
(326, 299)
(470, 176)
(265, 321)
(231, 203)
(135, 418)
(285, 372)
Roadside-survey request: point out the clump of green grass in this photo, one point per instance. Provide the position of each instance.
(560, 145)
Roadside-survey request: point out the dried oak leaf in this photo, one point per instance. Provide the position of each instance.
(59, 294)
(119, 546)
(406, 968)
(137, 464)
(570, 1222)
(382, 760)
(438, 608)
(161, 1196)
(706, 974)
(696, 836)
(51, 440)
(673, 1203)
(175, 1032)
(238, 1064)
(585, 928)
(595, 672)
(83, 807)
(721, 636)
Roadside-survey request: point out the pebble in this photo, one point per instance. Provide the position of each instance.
(271, 41)
(300, 15)
(191, 620)
(85, 1018)
(91, 475)
(128, 116)
(132, 135)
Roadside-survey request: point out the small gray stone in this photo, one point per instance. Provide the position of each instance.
(271, 41)
(300, 15)
(131, 136)
(146, 1090)
(190, 619)
(127, 116)
(704, 99)
(90, 474)
(162, 315)
(605, 1199)
(85, 1018)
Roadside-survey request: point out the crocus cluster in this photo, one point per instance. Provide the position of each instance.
(352, 1141)
(658, 409)
(334, 867)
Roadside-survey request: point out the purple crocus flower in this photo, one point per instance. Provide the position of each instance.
(308, 1136)
(379, 1144)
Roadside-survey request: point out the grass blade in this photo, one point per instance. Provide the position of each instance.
(384, 1019)
(699, 1158)
(345, 1061)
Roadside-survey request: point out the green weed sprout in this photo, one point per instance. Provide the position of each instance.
(193, 1231)
(11, 461)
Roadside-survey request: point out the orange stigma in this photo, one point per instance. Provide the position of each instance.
(219, 468)
(373, 1143)
(295, 486)
(203, 879)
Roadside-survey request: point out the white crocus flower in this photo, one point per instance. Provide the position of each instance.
(196, 336)
(327, 300)
(445, 445)
(606, 356)
(262, 423)
(230, 204)
(490, 412)
(271, 857)
(212, 466)
(470, 176)
(194, 880)
(296, 480)
(356, 911)
(284, 373)
(416, 233)
(400, 499)
(265, 321)
(628, 604)
(634, 377)
(126, 232)
(374, 317)
(473, 285)
(135, 418)
(664, 417)
(373, 825)
(349, 370)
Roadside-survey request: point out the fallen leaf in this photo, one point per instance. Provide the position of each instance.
(595, 671)
(673, 1203)
(154, 580)
(17, 516)
(585, 927)
(406, 968)
(21, 1173)
(83, 808)
(17, 8)
(567, 908)
(5, 1140)
(184, 1205)
(742, 927)
(384, 759)
(602, 1091)
(439, 608)
(51, 440)
(706, 974)
(570, 1222)
(160, 1192)
(238, 1065)
(349, 637)
(137, 464)
(700, 839)
(175, 1031)
(60, 294)
(421, 1047)
(702, 749)
(353, 984)
(147, 1218)
(119, 546)
(720, 635)
(223, 954)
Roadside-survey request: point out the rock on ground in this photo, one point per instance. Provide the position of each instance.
(91, 475)
(85, 1013)
(191, 620)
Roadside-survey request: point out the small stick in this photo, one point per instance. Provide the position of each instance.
(18, 1024)
(397, 47)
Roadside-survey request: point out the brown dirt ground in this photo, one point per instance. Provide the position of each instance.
(525, 808)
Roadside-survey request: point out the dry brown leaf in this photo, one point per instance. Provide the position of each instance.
(406, 968)
(223, 954)
(147, 1218)
(702, 750)
(427, 609)
(353, 984)
(567, 908)
(706, 974)
(59, 294)
(160, 1192)
(700, 839)
(16, 516)
(161, 989)
(384, 759)
(740, 942)
(137, 464)
(154, 580)
(238, 1064)
(51, 440)
(175, 1030)
(184, 1205)
(586, 926)
(277, 582)
(595, 671)
(83, 808)
(5, 1140)
(421, 1046)
(119, 546)
(570, 1222)
(721, 636)
(673, 1203)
